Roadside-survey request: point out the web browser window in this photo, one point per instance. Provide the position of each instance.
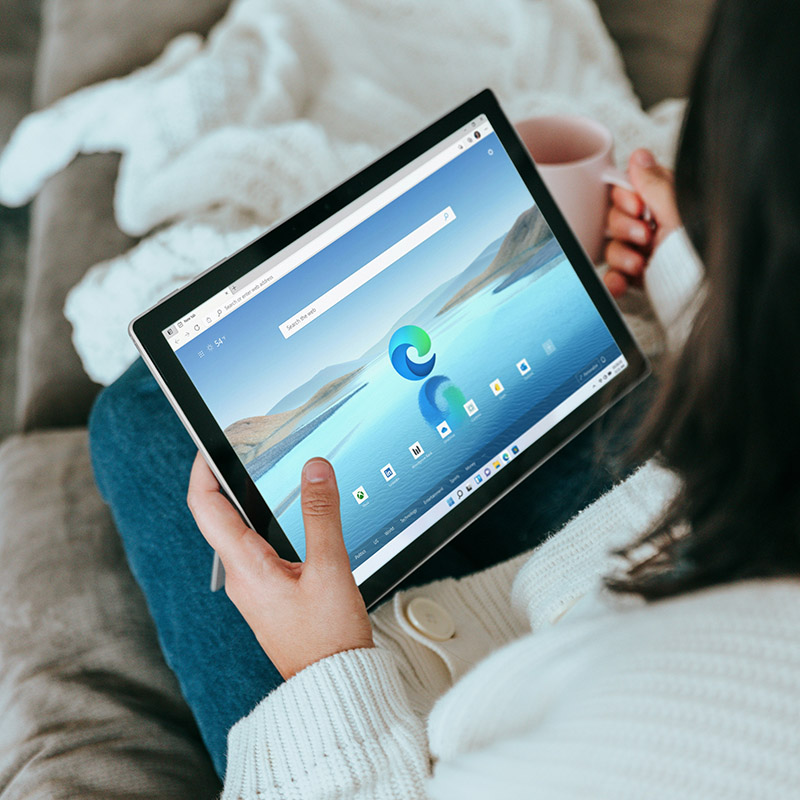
(420, 340)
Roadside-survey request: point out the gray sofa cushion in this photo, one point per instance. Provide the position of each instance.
(85, 41)
(72, 228)
(18, 34)
(88, 708)
(658, 40)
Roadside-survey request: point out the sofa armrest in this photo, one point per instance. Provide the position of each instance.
(88, 706)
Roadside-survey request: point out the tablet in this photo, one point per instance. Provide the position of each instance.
(431, 326)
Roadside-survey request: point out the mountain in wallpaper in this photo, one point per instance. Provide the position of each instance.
(521, 253)
(253, 436)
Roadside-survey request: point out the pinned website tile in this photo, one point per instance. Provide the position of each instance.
(496, 387)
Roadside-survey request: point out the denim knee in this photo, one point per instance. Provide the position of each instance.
(116, 420)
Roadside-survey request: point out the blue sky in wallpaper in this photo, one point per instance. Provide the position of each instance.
(259, 367)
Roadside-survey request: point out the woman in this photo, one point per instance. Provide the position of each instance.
(671, 669)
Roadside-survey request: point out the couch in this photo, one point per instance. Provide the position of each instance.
(88, 708)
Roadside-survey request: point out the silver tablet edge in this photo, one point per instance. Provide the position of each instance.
(217, 569)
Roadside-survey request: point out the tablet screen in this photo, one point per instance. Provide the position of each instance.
(420, 339)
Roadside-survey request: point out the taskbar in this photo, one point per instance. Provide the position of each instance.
(426, 512)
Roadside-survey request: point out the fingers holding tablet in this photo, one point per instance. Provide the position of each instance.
(300, 612)
(216, 518)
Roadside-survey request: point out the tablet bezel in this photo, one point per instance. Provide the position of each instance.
(146, 332)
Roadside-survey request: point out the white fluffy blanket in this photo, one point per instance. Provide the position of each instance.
(222, 137)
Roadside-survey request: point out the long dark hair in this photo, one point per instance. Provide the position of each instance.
(727, 421)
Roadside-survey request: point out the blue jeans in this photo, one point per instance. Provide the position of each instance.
(142, 456)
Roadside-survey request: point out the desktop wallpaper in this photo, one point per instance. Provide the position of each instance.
(416, 375)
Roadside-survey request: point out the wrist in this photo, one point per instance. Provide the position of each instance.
(323, 655)
(672, 281)
(663, 230)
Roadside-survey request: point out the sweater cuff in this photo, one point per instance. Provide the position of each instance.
(672, 280)
(339, 726)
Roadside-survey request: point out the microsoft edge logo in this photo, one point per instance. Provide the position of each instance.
(403, 339)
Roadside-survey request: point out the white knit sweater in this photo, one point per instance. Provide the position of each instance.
(551, 687)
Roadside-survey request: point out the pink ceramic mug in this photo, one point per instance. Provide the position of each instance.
(575, 157)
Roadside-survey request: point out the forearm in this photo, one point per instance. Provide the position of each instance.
(341, 728)
(672, 280)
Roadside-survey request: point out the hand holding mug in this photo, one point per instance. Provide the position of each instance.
(575, 157)
(639, 220)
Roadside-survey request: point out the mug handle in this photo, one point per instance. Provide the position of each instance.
(616, 177)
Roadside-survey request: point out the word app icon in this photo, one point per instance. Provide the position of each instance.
(406, 338)
(360, 495)
(496, 387)
(388, 472)
(444, 429)
(416, 450)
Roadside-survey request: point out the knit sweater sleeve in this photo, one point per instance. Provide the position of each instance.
(672, 280)
(341, 728)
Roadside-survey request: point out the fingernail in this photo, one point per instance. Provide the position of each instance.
(317, 471)
(638, 234)
(644, 158)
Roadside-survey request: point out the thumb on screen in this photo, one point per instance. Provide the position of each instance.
(321, 518)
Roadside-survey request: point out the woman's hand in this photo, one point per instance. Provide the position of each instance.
(635, 234)
(299, 612)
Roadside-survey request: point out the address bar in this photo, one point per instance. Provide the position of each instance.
(366, 273)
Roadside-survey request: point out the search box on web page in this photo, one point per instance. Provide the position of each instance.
(367, 272)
